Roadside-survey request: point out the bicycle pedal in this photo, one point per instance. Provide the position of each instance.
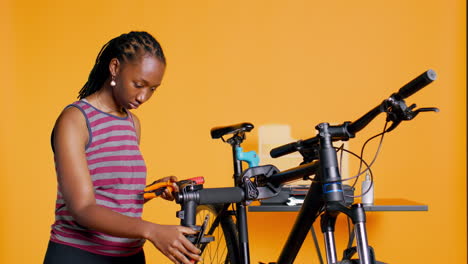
(206, 239)
(203, 240)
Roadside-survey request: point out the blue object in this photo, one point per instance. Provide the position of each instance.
(333, 186)
(250, 157)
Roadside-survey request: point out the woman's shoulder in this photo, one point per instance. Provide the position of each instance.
(76, 110)
(69, 126)
(72, 115)
(71, 111)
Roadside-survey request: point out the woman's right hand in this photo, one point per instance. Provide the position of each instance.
(170, 240)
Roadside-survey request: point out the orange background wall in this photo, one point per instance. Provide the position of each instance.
(265, 61)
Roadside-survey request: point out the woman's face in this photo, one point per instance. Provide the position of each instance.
(137, 80)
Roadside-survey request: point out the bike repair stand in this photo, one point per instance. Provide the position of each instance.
(187, 215)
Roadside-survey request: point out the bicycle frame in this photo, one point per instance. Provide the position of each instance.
(308, 213)
(327, 184)
(325, 195)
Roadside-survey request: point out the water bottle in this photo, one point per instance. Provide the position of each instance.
(367, 185)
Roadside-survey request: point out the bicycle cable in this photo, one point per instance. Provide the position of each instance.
(340, 165)
(351, 231)
(376, 153)
(368, 168)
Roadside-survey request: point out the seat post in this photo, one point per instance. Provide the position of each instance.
(238, 131)
(235, 142)
(241, 209)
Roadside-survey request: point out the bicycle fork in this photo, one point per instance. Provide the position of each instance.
(358, 217)
(334, 197)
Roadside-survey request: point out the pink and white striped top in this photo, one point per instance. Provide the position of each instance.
(118, 173)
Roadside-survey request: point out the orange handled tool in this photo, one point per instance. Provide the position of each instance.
(156, 188)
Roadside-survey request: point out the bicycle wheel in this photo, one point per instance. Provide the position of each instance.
(224, 249)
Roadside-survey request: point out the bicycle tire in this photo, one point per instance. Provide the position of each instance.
(224, 249)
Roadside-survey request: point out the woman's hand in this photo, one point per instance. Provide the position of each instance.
(170, 240)
(167, 194)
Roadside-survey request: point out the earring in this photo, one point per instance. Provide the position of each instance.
(112, 83)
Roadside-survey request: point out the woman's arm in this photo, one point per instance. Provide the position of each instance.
(70, 138)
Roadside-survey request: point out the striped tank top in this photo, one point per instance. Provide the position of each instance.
(118, 173)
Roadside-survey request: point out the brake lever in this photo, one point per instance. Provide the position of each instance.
(425, 109)
(409, 114)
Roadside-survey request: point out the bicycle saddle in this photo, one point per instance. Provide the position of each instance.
(218, 132)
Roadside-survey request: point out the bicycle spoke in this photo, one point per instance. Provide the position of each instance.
(218, 251)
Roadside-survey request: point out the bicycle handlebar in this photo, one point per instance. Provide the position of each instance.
(211, 195)
(268, 187)
(221, 195)
(294, 174)
(417, 84)
(350, 129)
(287, 149)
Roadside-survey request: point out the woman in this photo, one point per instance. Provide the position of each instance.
(100, 170)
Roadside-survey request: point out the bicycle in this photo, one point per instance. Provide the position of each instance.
(325, 197)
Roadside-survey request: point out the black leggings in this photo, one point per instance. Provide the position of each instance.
(63, 254)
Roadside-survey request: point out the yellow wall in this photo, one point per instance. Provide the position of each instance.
(290, 62)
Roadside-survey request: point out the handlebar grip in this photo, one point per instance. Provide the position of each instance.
(283, 150)
(417, 84)
(221, 195)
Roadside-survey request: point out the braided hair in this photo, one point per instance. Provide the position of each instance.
(124, 47)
